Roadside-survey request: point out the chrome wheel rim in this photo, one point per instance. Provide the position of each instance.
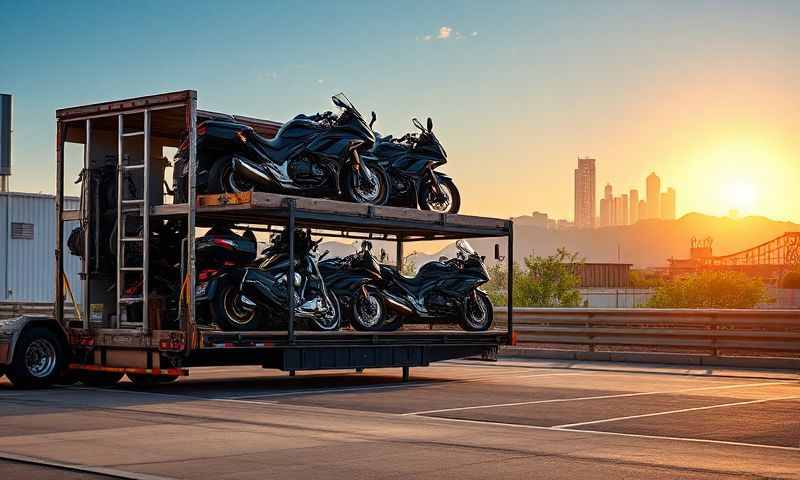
(41, 358)
(373, 192)
(330, 319)
(437, 203)
(234, 310)
(368, 310)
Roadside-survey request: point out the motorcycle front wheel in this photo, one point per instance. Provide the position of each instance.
(332, 321)
(448, 201)
(222, 178)
(478, 313)
(358, 190)
(368, 310)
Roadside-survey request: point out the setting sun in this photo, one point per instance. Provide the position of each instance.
(739, 195)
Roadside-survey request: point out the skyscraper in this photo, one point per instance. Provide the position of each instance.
(634, 206)
(624, 219)
(653, 196)
(642, 209)
(585, 193)
(668, 204)
(607, 206)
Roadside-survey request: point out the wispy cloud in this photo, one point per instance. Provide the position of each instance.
(446, 33)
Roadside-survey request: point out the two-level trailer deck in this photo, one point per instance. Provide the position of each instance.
(128, 137)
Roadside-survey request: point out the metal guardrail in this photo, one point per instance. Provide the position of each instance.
(732, 333)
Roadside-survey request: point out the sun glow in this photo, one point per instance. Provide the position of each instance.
(740, 195)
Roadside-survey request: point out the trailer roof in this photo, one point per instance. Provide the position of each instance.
(169, 123)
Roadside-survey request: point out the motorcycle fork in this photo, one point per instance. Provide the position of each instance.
(435, 181)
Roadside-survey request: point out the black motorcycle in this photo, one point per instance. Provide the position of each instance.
(316, 156)
(442, 292)
(411, 161)
(221, 257)
(356, 281)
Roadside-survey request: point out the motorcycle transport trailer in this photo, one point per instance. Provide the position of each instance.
(117, 332)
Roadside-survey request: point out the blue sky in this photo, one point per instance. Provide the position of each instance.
(517, 89)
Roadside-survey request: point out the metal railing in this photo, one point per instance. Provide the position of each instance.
(16, 309)
(702, 332)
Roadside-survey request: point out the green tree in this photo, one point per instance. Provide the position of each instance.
(543, 282)
(711, 289)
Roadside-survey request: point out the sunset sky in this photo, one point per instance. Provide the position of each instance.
(706, 94)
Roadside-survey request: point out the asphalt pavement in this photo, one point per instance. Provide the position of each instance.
(468, 419)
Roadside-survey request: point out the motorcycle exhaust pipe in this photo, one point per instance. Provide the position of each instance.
(397, 305)
(251, 172)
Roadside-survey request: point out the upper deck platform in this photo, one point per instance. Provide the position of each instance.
(259, 208)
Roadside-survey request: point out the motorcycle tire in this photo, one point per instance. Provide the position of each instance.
(367, 313)
(426, 192)
(477, 317)
(229, 314)
(353, 192)
(336, 324)
(222, 178)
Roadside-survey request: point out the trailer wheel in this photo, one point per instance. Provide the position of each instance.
(99, 379)
(39, 359)
(148, 381)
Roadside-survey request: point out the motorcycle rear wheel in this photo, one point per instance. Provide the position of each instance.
(222, 178)
(376, 194)
(228, 312)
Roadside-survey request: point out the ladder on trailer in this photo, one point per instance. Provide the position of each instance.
(137, 208)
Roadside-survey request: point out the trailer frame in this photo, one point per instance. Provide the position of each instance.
(153, 351)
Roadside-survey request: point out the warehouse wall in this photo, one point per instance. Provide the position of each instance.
(27, 266)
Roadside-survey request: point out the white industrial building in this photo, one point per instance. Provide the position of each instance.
(27, 245)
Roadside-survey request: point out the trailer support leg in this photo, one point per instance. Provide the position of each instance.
(359, 370)
(292, 373)
(406, 371)
(290, 277)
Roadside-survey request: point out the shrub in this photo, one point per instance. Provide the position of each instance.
(712, 289)
(543, 282)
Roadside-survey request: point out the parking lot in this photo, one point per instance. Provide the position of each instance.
(453, 420)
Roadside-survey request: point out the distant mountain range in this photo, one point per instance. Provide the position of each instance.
(648, 243)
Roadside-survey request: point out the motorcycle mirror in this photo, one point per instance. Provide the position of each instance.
(366, 245)
(430, 124)
(417, 124)
(384, 255)
(372, 120)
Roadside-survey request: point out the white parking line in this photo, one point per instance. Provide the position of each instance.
(596, 397)
(420, 383)
(618, 434)
(670, 412)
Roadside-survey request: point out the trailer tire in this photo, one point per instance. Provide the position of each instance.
(39, 359)
(99, 379)
(149, 381)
